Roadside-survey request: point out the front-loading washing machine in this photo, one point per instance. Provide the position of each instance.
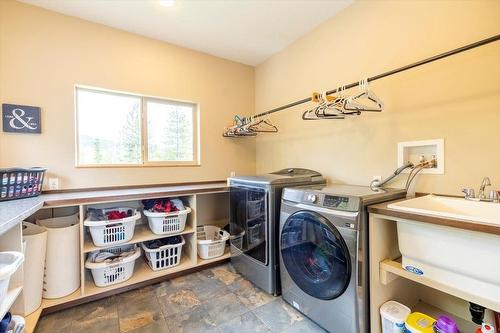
(323, 253)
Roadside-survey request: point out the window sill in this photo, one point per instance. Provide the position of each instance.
(149, 165)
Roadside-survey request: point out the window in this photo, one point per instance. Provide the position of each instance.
(115, 129)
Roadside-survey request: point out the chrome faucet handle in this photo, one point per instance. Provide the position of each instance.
(493, 196)
(469, 193)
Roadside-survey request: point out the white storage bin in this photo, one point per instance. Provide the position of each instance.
(394, 316)
(9, 263)
(35, 240)
(106, 274)
(110, 232)
(62, 259)
(211, 241)
(167, 223)
(165, 256)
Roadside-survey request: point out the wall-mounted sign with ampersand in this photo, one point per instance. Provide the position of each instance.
(21, 118)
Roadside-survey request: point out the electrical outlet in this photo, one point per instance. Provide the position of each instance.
(233, 173)
(53, 183)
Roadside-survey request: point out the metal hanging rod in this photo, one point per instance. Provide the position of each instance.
(389, 73)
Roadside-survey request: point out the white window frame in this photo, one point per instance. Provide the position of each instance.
(144, 131)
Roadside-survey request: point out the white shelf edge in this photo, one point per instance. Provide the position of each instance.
(389, 268)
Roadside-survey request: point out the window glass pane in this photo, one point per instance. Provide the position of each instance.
(109, 128)
(170, 131)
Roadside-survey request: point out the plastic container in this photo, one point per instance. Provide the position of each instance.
(110, 232)
(211, 241)
(9, 263)
(35, 240)
(17, 324)
(17, 183)
(445, 324)
(106, 274)
(394, 316)
(486, 328)
(167, 223)
(62, 259)
(418, 322)
(236, 235)
(164, 257)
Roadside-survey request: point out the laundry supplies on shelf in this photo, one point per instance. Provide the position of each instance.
(111, 225)
(163, 253)
(418, 322)
(111, 266)
(394, 316)
(211, 241)
(166, 216)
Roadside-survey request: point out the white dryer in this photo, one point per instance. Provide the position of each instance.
(323, 253)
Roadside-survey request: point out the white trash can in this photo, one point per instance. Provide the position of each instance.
(35, 241)
(62, 262)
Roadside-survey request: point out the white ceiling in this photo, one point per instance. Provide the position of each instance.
(246, 31)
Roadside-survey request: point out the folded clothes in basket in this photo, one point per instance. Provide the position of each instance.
(163, 205)
(157, 243)
(110, 257)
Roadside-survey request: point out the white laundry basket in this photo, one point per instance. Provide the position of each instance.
(211, 241)
(107, 274)
(9, 263)
(35, 240)
(165, 256)
(62, 260)
(109, 232)
(167, 223)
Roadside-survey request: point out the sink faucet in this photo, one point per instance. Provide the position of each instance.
(470, 194)
(486, 182)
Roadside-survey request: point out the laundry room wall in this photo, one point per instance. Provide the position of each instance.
(43, 55)
(457, 98)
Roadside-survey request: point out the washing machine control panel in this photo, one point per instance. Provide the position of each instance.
(337, 202)
(333, 201)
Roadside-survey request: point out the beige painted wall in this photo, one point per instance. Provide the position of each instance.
(457, 99)
(44, 54)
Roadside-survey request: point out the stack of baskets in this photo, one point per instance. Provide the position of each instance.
(113, 232)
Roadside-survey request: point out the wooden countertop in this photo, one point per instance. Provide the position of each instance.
(15, 211)
(382, 209)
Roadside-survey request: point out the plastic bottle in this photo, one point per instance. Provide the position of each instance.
(486, 328)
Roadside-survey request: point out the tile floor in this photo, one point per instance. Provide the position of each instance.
(216, 300)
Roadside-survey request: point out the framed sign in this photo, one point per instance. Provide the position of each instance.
(21, 118)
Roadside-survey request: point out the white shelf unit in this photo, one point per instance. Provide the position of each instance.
(11, 240)
(389, 281)
(209, 208)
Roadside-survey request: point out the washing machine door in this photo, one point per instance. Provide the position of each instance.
(315, 255)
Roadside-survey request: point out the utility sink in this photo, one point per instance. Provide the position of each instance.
(463, 259)
(454, 208)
